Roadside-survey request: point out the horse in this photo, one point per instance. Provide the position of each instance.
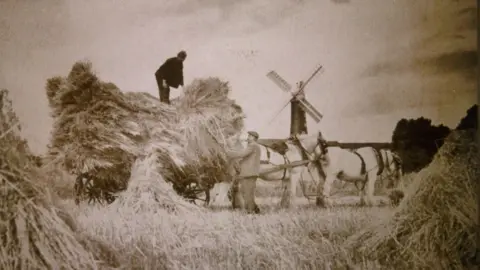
(284, 160)
(361, 166)
(393, 167)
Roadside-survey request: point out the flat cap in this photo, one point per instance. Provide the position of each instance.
(254, 134)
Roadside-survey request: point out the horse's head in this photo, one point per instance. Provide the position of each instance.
(313, 145)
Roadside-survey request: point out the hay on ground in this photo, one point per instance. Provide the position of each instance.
(102, 131)
(149, 192)
(33, 233)
(435, 226)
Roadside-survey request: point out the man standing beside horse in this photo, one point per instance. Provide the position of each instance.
(249, 167)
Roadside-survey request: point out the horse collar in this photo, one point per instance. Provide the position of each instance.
(303, 150)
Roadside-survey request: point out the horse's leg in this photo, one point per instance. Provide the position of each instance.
(286, 191)
(370, 188)
(361, 194)
(323, 196)
(295, 175)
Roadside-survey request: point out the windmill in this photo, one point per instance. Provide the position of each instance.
(299, 104)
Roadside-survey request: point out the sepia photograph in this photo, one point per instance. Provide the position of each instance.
(247, 134)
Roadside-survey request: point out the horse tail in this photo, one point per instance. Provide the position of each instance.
(381, 164)
(398, 162)
(387, 160)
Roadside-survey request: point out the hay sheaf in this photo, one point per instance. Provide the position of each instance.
(148, 191)
(435, 226)
(33, 233)
(93, 127)
(102, 131)
(206, 117)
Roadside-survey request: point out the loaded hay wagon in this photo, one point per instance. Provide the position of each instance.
(115, 141)
(193, 190)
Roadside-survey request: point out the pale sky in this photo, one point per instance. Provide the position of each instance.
(383, 59)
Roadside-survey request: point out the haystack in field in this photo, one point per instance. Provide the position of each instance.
(435, 225)
(33, 233)
(102, 131)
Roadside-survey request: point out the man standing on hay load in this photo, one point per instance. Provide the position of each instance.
(170, 74)
(243, 186)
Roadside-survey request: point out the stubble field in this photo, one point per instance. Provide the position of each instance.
(302, 237)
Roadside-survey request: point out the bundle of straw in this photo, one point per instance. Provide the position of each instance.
(148, 191)
(33, 233)
(435, 226)
(207, 117)
(93, 126)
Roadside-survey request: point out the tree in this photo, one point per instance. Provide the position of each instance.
(469, 121)
(416, 141)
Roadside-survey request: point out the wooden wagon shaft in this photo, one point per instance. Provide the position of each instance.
(350, 145)
(289, 165)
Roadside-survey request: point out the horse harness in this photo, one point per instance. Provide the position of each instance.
(303, 151)
(380, 165)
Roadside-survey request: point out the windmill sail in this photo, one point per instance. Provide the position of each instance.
(311, 77)
(279, 81)
(308, 108)
(279, 111)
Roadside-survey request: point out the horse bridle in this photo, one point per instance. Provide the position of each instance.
(320, 143)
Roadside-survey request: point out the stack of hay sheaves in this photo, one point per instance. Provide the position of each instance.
(34, 234)
(436, 224)
(102, 131)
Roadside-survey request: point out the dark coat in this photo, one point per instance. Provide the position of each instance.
(171, 71)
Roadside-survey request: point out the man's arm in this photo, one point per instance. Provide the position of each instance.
(181, 74)
(242, 153)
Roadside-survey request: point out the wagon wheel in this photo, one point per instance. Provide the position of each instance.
(196, 194)
(96, 194)
(109, 197)
(92, 192)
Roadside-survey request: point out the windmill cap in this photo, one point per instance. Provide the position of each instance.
(254, 134)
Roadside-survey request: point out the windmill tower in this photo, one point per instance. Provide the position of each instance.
(300, 107)
(298, 116)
